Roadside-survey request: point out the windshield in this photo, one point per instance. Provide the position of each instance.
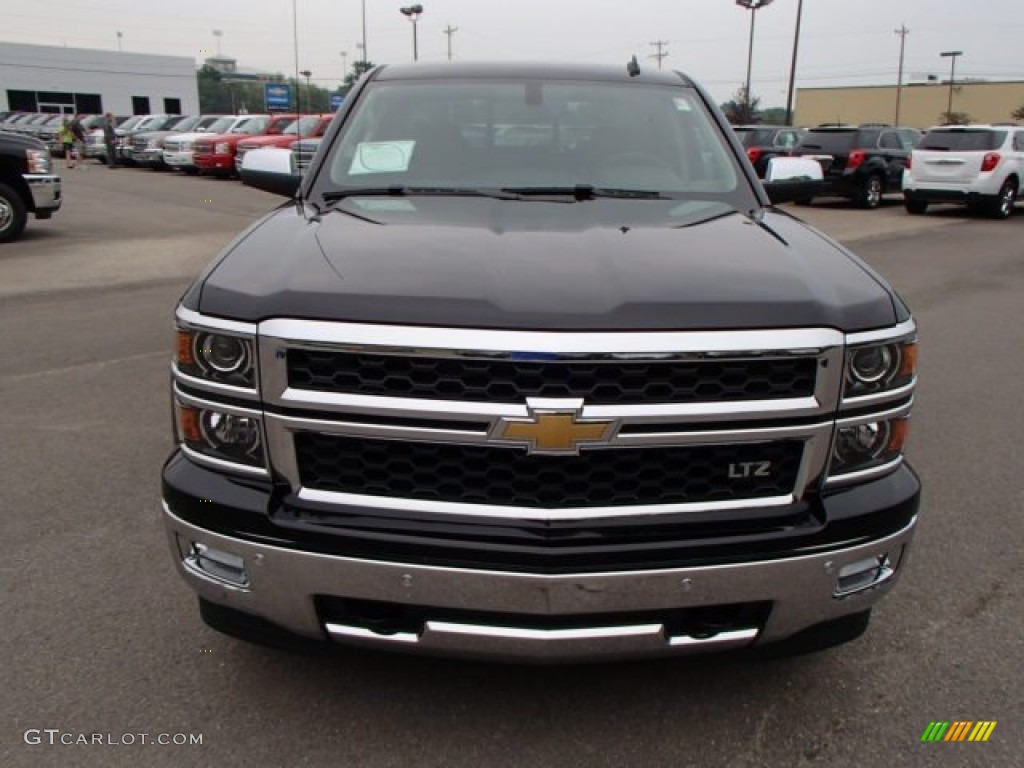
(221, 125)
(252, 125)
(279, 127)
(961, 140)
(131, 122)
(536, 135)
(181, 123)
(303, 127)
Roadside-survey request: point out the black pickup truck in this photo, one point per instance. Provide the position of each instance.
(27, 184)
(861, 163)
(585, 396)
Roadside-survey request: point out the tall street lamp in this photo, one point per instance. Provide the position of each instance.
(362, 47)
(218, 33)
(120, 37)
(753, 6)
(309, 94)
(413, 13)
(951, 55)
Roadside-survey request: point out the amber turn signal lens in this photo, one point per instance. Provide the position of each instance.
(908, 359)
(899, 429)
(190, 430)
(185, 356)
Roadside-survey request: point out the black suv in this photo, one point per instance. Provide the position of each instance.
(763, 142)
(860, 162)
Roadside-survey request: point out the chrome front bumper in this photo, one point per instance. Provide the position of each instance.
(46, 192)
(178, 159)
(279, 585)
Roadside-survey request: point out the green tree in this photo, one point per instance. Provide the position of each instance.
(1018, 113)
(739, 111)
(954, 118)
(358, 68)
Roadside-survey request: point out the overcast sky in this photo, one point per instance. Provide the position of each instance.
(843, 42)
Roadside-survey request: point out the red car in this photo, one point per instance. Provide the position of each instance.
(216, 154)
(306, 127)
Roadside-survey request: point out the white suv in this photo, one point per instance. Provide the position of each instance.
(981, 166)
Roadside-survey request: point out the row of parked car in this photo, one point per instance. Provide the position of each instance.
(191, 143)
(981, 166)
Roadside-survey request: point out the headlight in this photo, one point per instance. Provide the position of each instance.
(216, 356)
(39, 160)
(218, 434)
(185, 146)
(153, 144)
(874, 368)
(221, 148)
(868, 445)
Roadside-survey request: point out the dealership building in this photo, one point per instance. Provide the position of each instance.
(43, 78)
(920, 104)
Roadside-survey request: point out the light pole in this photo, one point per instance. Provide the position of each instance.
(344, 64)
(951, 55)
(752, 6)
(309, 94)
(120, 36)
(792, 66)
(218, 33)
(413, 13)
(363, 46)
(902, 32)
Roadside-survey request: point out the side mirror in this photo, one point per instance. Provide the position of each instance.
(793, 178)
(271, 169)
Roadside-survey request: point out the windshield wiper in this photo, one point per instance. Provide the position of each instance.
(586, 192)
(404, 191)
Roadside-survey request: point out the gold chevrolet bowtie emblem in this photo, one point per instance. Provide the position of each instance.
(553, 431)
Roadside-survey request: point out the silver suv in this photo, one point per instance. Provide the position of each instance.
(980, 166)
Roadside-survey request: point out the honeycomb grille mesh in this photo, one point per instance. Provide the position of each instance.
(511, 477)
(508, 381)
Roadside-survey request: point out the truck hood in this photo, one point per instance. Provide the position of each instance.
(593, 265)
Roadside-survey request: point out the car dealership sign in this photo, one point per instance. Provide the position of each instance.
(278, 97)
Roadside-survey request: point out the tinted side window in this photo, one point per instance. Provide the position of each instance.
(787, 139)
(1018, 141)
(890, 141)
(908, 139)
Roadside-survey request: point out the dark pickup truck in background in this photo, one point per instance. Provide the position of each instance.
(860, 163)
(583, 397)
(28, 184)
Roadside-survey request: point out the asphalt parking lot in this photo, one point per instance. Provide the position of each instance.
(101, 636)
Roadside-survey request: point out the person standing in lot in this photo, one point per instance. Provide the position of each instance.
(78, 132)
(67, 140)
(110, 139)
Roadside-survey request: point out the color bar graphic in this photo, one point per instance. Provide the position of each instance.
(958, 730)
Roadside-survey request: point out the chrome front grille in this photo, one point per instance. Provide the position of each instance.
(510, 477)
(512, 381)
(411, 418)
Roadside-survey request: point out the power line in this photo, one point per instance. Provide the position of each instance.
(659, 44)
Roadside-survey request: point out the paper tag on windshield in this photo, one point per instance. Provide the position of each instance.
(382, 157)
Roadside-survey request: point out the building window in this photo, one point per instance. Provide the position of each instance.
(88, 104)
(172, 106)
(22, 101)
(140, 105)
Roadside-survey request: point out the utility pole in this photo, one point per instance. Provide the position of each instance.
(902, 32)
(450, 30)
(659, 44)
(952, 77)
(792, 66)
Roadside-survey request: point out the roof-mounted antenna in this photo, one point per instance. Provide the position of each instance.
(633, 67)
